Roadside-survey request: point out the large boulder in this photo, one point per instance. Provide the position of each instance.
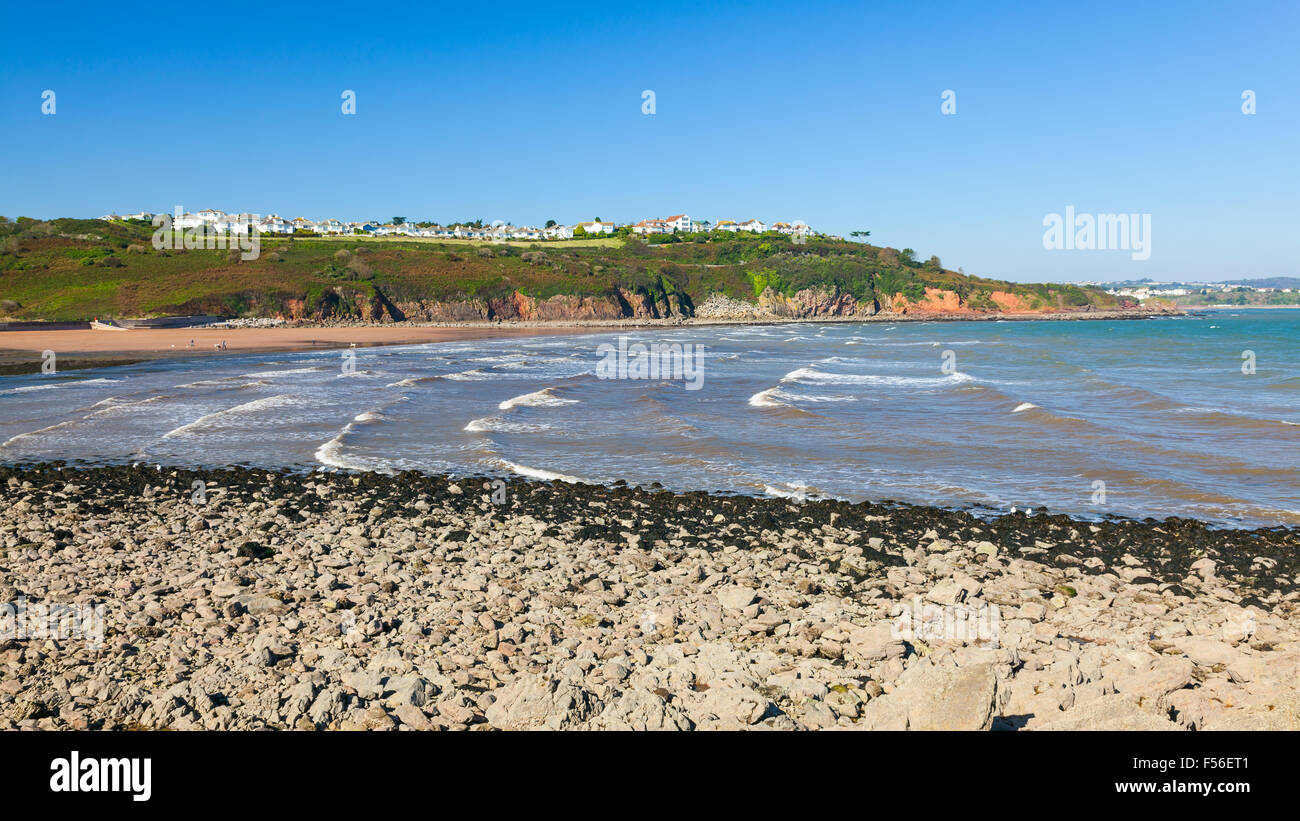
(642, 710)
(937, 698)
(539, 702)
(1112, 712)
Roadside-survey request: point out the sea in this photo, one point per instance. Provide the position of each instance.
(1195, 416)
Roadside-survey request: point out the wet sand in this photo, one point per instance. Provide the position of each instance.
(20, 351)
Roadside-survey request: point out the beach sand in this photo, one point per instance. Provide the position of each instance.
(20, 351)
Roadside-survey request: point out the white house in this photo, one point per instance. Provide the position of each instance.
(756, 226)
(558, 232)
(596, 227)
(275, 225)
(331, 226)
(678, 222)
(727, 225)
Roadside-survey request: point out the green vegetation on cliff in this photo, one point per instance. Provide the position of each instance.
(68, 269)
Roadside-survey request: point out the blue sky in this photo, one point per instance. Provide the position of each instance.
(829, 113)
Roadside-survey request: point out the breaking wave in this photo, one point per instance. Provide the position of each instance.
(283, 400)
(536, 399)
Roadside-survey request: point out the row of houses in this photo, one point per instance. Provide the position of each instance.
(222, 222)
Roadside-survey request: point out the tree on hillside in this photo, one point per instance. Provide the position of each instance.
(862, 234)
(398, 220)
(907, 256)
(550, 223)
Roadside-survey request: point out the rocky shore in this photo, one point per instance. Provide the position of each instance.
(242, 598)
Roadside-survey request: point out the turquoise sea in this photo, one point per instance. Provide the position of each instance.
(1133, 418)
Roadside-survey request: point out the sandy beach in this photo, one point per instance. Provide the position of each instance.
(20, 351)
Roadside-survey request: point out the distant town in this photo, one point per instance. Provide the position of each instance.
(222, 222)
(1265, 291)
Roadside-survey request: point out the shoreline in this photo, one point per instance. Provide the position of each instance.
(80, 349)
(21, 350)
(974, 512)
(364, 601)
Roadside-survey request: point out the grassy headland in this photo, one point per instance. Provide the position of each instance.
(70, 269)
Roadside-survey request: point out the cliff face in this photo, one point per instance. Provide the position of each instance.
(339, 303)
(810, 303)
(831, 302)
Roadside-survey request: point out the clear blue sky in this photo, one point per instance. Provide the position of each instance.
(828, 113)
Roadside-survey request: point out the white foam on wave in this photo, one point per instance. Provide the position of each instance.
(537, 399)
(104, 407)
(30, 388)
(1024, 406)
(791, 490)
(482, 425)
(495, 424)
(816, 377)
(368, 416)
(227, 382)
(288, 372)
(816, 397)
(256, 406)
(472, 375)
(544, 475)
(38, 432)
(111, 405)
(770, 398)
(64, 383)
(331, 453)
